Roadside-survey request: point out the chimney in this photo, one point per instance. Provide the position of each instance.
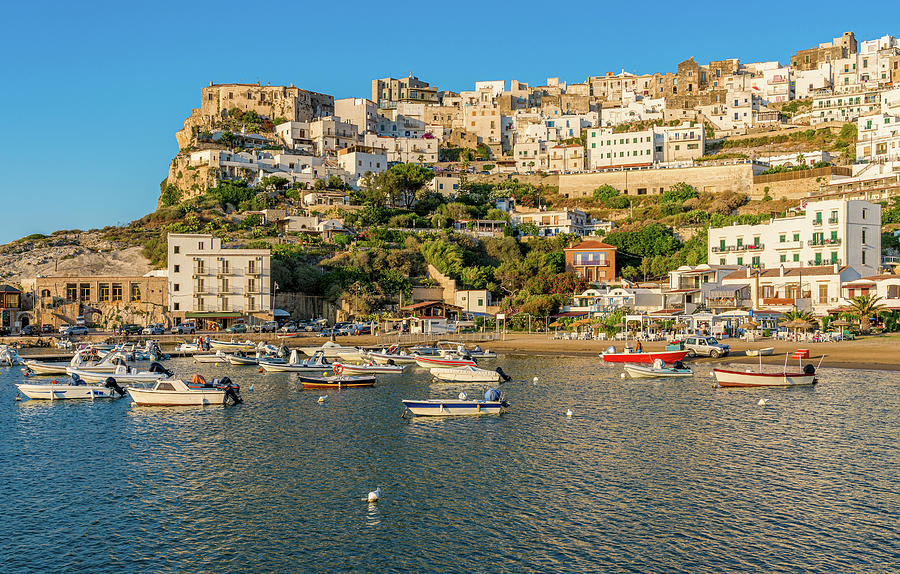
(781, 271)
(836, 270)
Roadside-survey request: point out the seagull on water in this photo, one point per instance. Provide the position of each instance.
(762, 402)
(374, 495)
(322, 398)
(569, 413)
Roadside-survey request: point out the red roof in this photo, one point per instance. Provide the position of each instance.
(592, 244)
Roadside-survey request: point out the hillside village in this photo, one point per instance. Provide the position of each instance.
(709, 194)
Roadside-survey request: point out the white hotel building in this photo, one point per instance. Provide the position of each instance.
(847, 233)
(216, 284)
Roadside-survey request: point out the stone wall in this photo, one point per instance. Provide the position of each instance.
(709, 179)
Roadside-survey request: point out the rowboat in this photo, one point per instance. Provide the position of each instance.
(445, 360)
(764, 352)
(469, 374)
(232, 346)
(611, 356)
(492, 404)
(53, 390)
(366, 369)
(124, 374)
(333, 350)
(315, 364)
(336, 382)
(639, 371)
(175, 392)
(727, 378)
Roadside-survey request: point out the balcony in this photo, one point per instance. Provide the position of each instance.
(823, 242)
(201, 289)
(832, 220)
(789, 244)
(226, 271)
(817, 222)
(253, 271)
(812, 262)
(199, 271)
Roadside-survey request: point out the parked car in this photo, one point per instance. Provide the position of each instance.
(154, 329)
(130, 329)
(289, 327)
(237, 328)
(76, 330)
(29, 330)
(705, 347)
(362, 329)
(268, 327)
(63, 328)
(47, 329)
(186, 328)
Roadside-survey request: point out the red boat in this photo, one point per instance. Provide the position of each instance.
(642, 357)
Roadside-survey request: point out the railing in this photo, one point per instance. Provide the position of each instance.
(832, 220)
(199, 271)
(823, 242)
(254, 271)
(824, 262)
(817, 222)
(226, 271)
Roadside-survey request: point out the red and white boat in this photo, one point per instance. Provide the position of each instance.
(726, 378)
(643, 357)
(444, 361)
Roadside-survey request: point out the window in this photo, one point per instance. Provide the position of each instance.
(135, 292)
(45, 292)
(176, 307)
(176, 287)
(71, 291)
(200, 246)
(177, 249)
(224, 303)
(251, 303)
(796, 257)
(863, 257)
(782, 238)
(116, 291)
(721, 261)
(85, 291)
(797, 236)
(200, 303)
(783, 258)
(740, 260)
(755, 261)
(177, 268)
(103, 292)
(863, 236)
(864, 212)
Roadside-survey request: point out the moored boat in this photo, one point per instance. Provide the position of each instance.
(336, 382)
(658, 369)
(469, 374)
(232, 346)
(611, 356)
(75, 389)
(391, 355)
(729, 378)
(764, 352)
(366, 369)
(217, 357)
(124, 374)
(333, 350)
(315, 364)
(493, 403)
(445, 360)
(176, 392)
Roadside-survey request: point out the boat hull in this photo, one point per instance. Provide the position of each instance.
(664, 356)
(636, 371)
(336, 382)
(450, 408)
(348, 369)
(156, 398)
(432, 362)
(383, 358)
(466, 375)
(121, 378)
(239, 361)
(57, 392)
(726, 378)
(289, 368)
(40, 368)
(231, 347)
(761, 352)
(211, 358)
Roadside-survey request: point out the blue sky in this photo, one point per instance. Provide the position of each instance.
(94, 92)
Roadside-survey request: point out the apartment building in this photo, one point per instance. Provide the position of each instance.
(566, 158)
(845, 233)
(531, 156)
(606, 148)
(207, 281)
(446, 185)
(843, 107)
(358, 160)
(814, 289)
(403, 149)
(387, 92)
(551, 223)
(591, 259)
(330, 134)
(878, 138)
(360, 112)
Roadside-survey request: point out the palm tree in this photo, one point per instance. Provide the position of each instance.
(864, 306)
(797, 315)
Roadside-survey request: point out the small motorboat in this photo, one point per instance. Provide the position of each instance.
(333, 350)
(446, 359)
(76, 389)
(658, 369)
(109, 364)
(175, 392)
(188, 348)
(391, 355)
(764, 352)
(469, 374)
(124, 374)
(239, 358)
(802, 376)
(336, 382)
(315, 364)
(217, 357)
(630, 356)
(232, 346)
(474, 353)
(366, 369)
(492, 404)
(42, 368)
(9, 356)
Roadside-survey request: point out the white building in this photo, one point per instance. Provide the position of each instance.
(551, 223)
(843, 107)
(358, 163)
(846, 233)
(814, 289)
(878, 138)
(405, 149)
(808, 82)
(360, 112)
(531, 156)
(207, 281)
(809, 158)
(473, 300)
(655, 145)
(446, 185)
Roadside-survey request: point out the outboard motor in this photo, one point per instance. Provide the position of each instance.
(156, 367)
(809, 370)
(678, 365)
(112, 384)
(506, 378)
(390, 362)
(231, 393)
(492, 395)
(76, 380)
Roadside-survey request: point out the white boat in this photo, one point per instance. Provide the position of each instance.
(493, 403)
(334, 350)
(123, 374)
(42, 368)
(729, 378)
(187, 348)
(232, 346)
(444, 360)
(469, 374)
(53, 390)
(764, 352)
(315, 364)
(176, 392)
(391, 355)
(9, 356)
(475, 353)
(110, 362)
(658, 369)
(218, 357)
(366, 369)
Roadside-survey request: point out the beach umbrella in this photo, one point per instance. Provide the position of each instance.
(556, 324)
(749, 325)
(841, 323)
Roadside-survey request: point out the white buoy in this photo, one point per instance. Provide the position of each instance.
(374, 495)
(322, 399)
(463, 396)
(534, 379)
(622, 376)
(569, 413)
(762, 402)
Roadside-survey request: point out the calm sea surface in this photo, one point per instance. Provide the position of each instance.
(647, 476)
